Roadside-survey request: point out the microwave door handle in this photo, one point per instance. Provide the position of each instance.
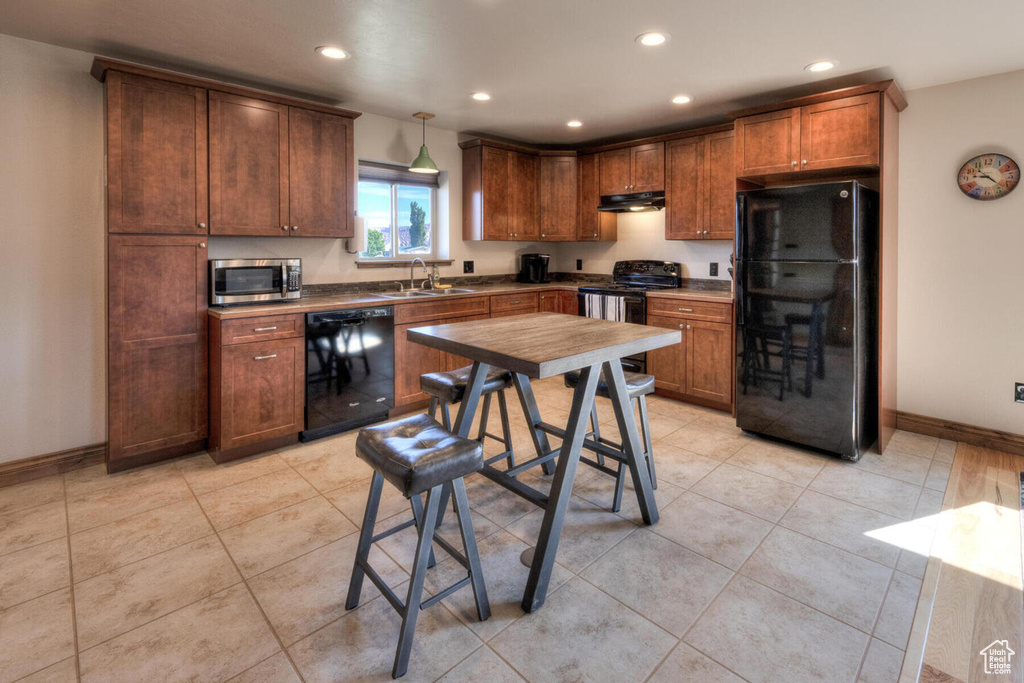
(284, 280)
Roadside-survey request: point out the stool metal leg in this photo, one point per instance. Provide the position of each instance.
(645, 431)
(417, 513)
(355, 584)
(419, 573)
(433, 408)
(506, 430)
(446, 418)
(476, 574)
(485, 412)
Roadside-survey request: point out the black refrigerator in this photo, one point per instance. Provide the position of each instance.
(807, 315)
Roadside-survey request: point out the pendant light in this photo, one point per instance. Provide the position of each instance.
(423, 163)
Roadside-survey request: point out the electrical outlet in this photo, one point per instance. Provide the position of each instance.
(714, 270)
(579, 264)
(1018, 392)
(467, 266)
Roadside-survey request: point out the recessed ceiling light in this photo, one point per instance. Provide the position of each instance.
(823, 65)
(682, 99)
(652, 38)
(480, 96)
(574, 123)
(332, 52)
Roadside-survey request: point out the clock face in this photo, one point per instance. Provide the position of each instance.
(988, 176)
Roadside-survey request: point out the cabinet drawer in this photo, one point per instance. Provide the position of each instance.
(265, 328)
(510, 302)
(695, 310)
(423, 311)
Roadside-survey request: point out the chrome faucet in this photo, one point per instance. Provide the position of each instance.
(412, 269)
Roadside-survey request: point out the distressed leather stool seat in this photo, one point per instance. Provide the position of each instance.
(448, 388)
(417, 455)
(638, 386)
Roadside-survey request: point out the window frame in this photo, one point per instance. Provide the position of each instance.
(396, 255)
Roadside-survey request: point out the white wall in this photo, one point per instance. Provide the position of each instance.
(642, 236)
(52, 321)
(961, 299)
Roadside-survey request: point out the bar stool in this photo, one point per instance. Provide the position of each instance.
(448, 388)
(417, 455)
(638, 386)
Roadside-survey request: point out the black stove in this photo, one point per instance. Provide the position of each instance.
(638, 277)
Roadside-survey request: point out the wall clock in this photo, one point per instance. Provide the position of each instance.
(988, 176)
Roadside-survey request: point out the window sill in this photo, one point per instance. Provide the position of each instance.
(400, 263)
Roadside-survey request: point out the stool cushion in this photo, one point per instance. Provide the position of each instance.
(637, 384)
(416, 453)
(450, 387)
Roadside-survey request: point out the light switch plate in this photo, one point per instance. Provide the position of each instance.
(467, 266)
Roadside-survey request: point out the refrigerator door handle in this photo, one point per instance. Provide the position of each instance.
(739, 284)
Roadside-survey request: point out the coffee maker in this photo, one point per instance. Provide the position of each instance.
(533, 268)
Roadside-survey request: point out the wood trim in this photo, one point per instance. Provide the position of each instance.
(100, 66)
(694, 400)
(402, 264)
(666, 137)
(511, 147)
(58, 462)
(958, 431)
(888, 88)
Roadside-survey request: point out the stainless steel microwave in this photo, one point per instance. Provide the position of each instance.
(245, 281)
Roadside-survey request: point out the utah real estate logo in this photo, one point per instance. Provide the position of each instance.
(997, 657)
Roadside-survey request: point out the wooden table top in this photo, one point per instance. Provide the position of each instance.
(541, 345)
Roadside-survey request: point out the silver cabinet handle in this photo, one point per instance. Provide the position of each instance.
(273, 355)
(794, 163)
(705, 232)
(202, 245)
(264, 329)
(686, 310)
(203, 226)
(687, 327)
(804, 162)
(681, 326)
(285, 228)
(543, 235)
(294, 228)
(513, 303)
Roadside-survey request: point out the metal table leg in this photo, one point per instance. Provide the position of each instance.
(532, 413)
(561, 489)
(631, 441)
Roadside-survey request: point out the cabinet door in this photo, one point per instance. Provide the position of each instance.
(156, 156)
(248, 166)
(614, 170)
(719, 186)
(568, 303)
(768, 143)
(524, 205)
(157, 371)
(321, 173)
(558, 198)
(668, 364)
(647, 167)
(549, 302)
(709, 360)
(495, 172)
(684, 189)
(449, 360)
(411, 361)
(588, 198)
(262, 391)
(840, 133)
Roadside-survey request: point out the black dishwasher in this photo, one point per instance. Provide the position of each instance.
(350, 369)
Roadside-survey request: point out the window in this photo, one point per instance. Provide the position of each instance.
(397, 208)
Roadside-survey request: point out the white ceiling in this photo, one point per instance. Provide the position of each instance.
(544, 61)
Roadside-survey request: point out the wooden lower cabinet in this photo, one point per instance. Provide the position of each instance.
(550, 302)
(257, 383)
(449, 361)
(568, 303)
(157, 353)
(411, 361)
(700, 367)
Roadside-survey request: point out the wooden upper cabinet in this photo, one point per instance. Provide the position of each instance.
(614, 171)
(321, 169)
(248, 166)
(647, 167)
(558, 198)
(592, 225)
(524, 203)
(495, 195)
(156, 156)
(719, 186)
(684, 188)
(157, 352)
(768, 143)
(840, 133)
(834, 134)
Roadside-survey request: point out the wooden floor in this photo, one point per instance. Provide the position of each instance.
(972, 591)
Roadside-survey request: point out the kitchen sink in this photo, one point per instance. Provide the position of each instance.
(407, 294)
(452, 291)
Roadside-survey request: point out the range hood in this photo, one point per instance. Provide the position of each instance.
(637, 201)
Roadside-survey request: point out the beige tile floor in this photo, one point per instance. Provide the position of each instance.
(768, 564)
